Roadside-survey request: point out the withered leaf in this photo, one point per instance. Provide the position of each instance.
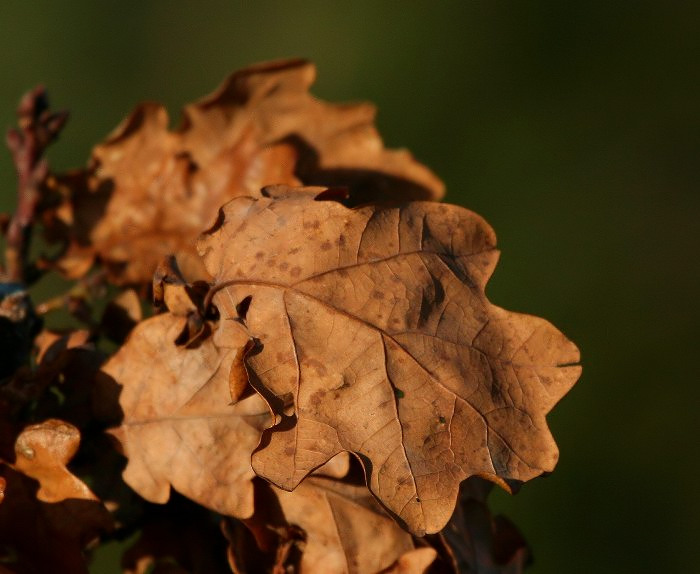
(343, 529)
(416, 561)
(48, 514)
(374, 322)
(149, 191)
(179, 427)
(42, 452)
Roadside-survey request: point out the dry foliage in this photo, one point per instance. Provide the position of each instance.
(272, 376)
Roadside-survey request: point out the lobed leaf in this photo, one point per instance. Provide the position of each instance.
(325, 525)
(376, 337)
(149, 191)
(179, 427)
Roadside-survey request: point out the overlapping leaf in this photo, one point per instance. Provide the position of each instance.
(374, 323)
(179, 427)
(340, 529)
(47, 514)
(150, 191)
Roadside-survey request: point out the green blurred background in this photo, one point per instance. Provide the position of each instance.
(573, 127)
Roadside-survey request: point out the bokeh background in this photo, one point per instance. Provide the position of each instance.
(573, 127)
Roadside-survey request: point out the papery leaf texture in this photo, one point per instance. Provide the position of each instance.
(343, 530)
(374, 336)
(47, 515)
(179, 427)
(148, 191)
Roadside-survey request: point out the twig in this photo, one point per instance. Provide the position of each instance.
(37, 128)
(78, 299)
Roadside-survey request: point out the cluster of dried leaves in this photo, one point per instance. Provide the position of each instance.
(318, 375)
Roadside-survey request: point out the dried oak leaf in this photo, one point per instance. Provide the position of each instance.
(48, 514)
(179, 427)
(374, 322)
(149, 191)
(343, 530)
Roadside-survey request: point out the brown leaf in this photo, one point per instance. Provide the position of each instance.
(179, 427)
(48, 514)
(415, 561)
(374, 323)
(150, 191)
(42, 452)
(343, 530)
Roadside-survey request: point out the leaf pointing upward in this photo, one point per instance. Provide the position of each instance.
(375, 323)
(149, 191)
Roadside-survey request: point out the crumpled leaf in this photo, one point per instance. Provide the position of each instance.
(148, 191)
(179, 427)
(374, 323)
(341, 529)
(48, 515)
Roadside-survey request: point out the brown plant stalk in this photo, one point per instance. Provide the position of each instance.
(37, 128)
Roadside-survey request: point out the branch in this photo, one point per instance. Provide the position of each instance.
(37, 129)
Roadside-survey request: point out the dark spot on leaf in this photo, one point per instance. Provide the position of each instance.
(439, 291)
(295, 272)
(326, 245)
(315, 398)
(284, 266)
(442, 420)
(377, 295)
(317, 365)
(312, 224)
(259, 255)
(399, 393)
